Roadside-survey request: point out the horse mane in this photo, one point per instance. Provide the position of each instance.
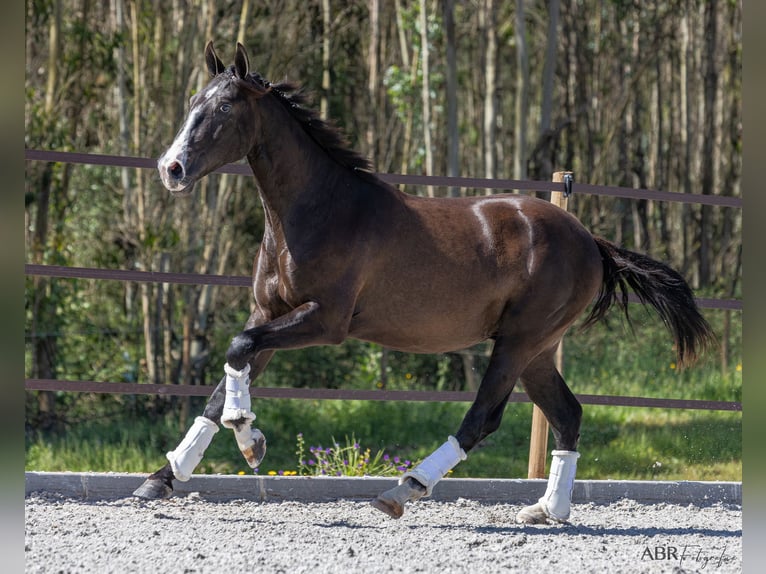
(326, 134)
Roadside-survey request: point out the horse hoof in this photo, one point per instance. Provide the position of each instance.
(534, 514)
(153, 489)
(254, 449)
(390, 507)
(393, 500)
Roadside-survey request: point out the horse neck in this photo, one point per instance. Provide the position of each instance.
(291, 169)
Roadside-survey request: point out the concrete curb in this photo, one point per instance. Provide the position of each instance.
(106, 486)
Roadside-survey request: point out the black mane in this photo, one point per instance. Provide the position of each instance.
(327, 135)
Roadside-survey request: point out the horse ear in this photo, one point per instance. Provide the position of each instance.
(214, 64)
(241, 62)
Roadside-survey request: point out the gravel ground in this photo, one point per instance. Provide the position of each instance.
(190, 534)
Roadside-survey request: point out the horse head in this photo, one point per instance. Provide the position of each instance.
(221, 124)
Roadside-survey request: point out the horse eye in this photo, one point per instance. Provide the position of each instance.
(225, 108)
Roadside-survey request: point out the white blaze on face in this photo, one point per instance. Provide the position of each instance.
(177, 153)
(178, 149)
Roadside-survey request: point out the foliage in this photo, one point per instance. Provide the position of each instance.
(347, 460)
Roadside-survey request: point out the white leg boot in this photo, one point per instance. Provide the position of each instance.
(237, 403)
(556, 502)
(238, 416)
(188, 454)
(427, 473)
(436, 465)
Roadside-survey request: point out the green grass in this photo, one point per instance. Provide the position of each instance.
(616, 442)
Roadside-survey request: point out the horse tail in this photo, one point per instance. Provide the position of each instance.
(655, 284)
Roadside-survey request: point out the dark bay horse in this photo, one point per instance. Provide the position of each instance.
(346, 255)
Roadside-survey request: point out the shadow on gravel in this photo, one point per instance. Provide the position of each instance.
(599, 531)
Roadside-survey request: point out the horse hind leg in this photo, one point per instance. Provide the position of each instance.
(419, 482)
(482, 419)
(547, 389)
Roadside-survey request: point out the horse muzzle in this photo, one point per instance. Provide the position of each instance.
(174, 175)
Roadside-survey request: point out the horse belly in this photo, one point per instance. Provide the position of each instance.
(426, 322)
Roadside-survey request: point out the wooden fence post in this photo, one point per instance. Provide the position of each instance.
(538, 439)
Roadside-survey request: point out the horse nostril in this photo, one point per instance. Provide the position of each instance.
(176, 170)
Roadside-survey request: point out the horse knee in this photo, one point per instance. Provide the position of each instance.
(239, 351)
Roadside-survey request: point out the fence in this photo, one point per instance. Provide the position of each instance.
(539, 431)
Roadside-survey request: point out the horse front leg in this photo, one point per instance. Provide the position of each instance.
(236, 415)
(229, 405)
(482, 419)
(189, 452)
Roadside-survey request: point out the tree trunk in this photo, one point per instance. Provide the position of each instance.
(324, 105)
(150, 326)
(490, 91)
(426, 95)
(472, 379)
(686, 137)
(453, 151)
(522, 95)
(373, 59)
(407, 63)
(244, 17)
(545, 169)
(709, 154)
(44, 348)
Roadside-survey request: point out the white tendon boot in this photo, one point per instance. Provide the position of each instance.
(427, 474)
(237, 403)
(436, 465)
(556, 502)
(188, 454)
(238, 416)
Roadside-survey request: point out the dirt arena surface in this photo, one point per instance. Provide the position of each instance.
(191, 534)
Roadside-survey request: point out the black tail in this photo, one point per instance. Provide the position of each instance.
(655, 284)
